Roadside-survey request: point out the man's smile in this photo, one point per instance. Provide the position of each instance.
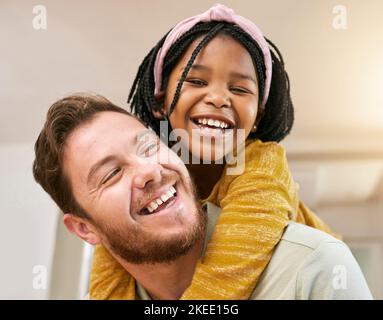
(162, 200)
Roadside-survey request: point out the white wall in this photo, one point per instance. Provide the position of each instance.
(28, 225)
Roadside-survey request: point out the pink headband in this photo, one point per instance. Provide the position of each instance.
(218, 12)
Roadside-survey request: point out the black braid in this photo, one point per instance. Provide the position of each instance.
(142, 90)
(279, 111)
(275, 121)
(199, 47)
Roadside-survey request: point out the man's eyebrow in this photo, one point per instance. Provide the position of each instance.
(144, 133)
(98, 165)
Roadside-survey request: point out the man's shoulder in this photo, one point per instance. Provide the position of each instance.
(300, 243)
(304, 264)
(300, 235)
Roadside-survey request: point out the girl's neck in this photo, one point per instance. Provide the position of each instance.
(205, 177)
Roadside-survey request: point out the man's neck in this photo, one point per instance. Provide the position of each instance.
(166, 281)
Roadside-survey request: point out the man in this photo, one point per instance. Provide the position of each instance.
(119, 186)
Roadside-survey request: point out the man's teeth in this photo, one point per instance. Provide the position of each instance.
(213, 123)
(163, 198)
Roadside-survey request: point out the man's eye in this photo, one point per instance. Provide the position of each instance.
(151, 149)
(111, 175)
(196, 82)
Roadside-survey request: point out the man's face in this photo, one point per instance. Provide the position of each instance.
(137, 192)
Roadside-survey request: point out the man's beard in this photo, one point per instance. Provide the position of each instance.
(138, 246)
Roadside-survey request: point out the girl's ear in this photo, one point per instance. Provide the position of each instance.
(260, 114)
(160, 114)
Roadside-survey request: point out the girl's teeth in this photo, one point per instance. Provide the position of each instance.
(213, 123)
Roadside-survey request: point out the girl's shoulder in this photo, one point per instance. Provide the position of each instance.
(260, 155)
(254, 147)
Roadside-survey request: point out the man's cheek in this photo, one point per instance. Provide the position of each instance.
(176, 162)
(166, 156)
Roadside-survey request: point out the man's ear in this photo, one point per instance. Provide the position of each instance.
(81, 228)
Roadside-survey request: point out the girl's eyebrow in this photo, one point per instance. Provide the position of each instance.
(196, 67)
(243, 76)
(232, 74)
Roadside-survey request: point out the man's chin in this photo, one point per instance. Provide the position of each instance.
(153, 252)
(142, 247)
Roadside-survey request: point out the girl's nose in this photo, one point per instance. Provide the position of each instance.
(218, 98)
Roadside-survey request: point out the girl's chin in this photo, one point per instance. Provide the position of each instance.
(207, 154)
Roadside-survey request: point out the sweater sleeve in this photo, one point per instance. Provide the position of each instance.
(256, 207)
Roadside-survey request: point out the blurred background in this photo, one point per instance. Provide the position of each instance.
(333, 52)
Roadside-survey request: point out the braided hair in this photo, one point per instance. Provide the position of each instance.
(274, 122)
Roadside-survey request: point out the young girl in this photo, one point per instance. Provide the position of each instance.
(214, 74)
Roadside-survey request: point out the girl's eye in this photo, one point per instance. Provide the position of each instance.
(111, 175)
(196, 82)
(239, 90)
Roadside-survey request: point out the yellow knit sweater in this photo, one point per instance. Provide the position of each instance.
(256, 207)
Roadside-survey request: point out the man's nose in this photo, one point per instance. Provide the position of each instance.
(146, 172)
(218, 97)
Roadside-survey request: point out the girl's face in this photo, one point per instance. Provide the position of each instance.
(218, 97)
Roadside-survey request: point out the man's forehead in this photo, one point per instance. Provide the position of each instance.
(104, 132)
(125, 124)
(112, 120)
(109, 123)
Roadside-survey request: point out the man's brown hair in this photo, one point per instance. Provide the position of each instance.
(63, 117)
